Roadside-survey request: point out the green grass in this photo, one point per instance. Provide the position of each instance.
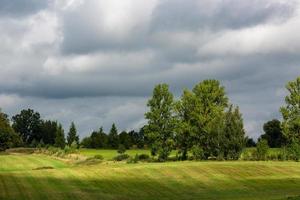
(109, 154)
(145, 181)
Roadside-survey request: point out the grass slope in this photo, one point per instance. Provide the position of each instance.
(146, 181)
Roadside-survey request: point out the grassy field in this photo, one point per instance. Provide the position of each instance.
(108, 154)
(24, 177)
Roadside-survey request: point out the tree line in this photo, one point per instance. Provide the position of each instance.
(202, 122)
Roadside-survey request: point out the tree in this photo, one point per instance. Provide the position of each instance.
(99, 139)
(273, 134)
(60, 137)
(124, 139)
(48, 129)
(291, 112)
(72, 135)
(186, 129)
(161, 121)
(28, 124)
(205, 116)
(234, 134)
(262, 149)
(250, 142)
(86, 142)
(8, 137)
(113, 138)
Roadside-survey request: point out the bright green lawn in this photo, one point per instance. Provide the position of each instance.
(146, 181)
(108, 154)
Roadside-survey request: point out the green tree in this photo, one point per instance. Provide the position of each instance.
(28, 124)
(48, 130)
(60, 137)
(262, 149)
(99, 139)
(72, 135)
(291, 112)
(205, 117)
(161, 121)
(273, 134)
(234, 134)
(113, 138)
(185, 129)
(8, 137)
(250, 142)
(124, 139)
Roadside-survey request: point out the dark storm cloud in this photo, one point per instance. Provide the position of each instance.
(19, 8)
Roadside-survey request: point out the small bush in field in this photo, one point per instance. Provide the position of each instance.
(121, 157)
(143, 157)
(262, 150)
(197, 152)
(98, 157)
(133, 160)
(121, 149)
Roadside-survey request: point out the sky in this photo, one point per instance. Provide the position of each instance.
(95, 62)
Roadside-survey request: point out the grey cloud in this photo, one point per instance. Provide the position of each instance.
(19, 8)
(232, 14)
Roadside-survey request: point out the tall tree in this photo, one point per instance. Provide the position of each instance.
(207, 118)
(124, 139)
(234, 134)
(28, 124)
(60, 140)
(161, 121)
(250, 142)
(48, 130)
(185, 129)
(291, 112)
(8, 137)
(273, 134)
(99, 139)
(113, 138)
(72, 135)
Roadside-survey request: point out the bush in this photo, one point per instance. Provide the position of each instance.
(262, 149)
(294, 151)
(197, 152)
(121, 149)
(143, 157)
(98, 157)
(121, 157)
(133, 160)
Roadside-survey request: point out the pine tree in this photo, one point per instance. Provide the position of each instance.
(113, 138)
(72, 135)
(60, 137)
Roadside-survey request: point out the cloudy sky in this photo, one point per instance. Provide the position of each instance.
(96, 61)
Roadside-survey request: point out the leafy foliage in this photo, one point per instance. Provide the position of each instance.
(60, 137)
(291, 112)
(72, 135)
(273, 134)
(161, 121)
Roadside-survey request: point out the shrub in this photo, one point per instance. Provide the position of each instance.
(294, 151)
(262, 149)
(69, 150)
(133, 160)
(121, 157)
(197, 152)
(121, 149)
(98, 157)
(143, 157)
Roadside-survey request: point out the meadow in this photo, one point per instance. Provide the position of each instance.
(36, 176)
